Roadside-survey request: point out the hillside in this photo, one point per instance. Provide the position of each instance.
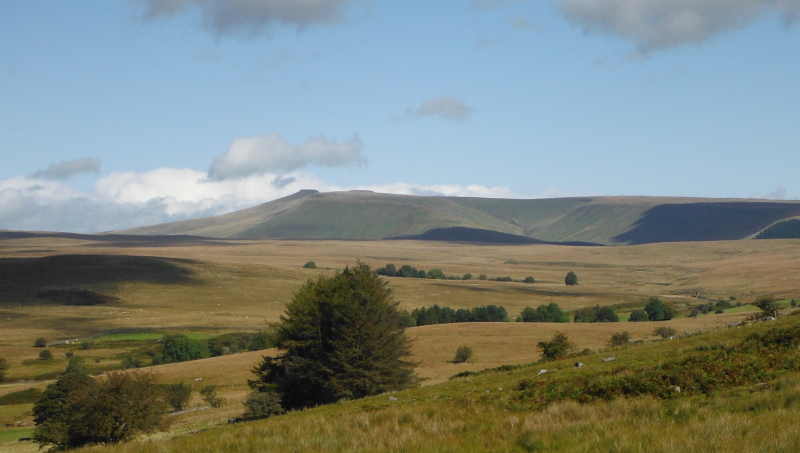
(362, 215)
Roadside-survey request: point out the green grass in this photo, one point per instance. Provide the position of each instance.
(15, 434)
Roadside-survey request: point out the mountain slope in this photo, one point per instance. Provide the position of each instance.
(363, 215)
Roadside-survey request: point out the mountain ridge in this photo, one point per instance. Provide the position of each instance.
(366, 215)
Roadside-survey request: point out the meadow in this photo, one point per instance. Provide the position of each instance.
(242, 286)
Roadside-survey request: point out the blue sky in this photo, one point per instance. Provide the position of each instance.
(123, 113)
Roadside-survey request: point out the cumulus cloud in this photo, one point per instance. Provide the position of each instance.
(658, 24)
(447, 107)
(250, 17)
(270, 153)
(66, 169)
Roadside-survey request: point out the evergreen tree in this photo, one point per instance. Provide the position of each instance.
(341, 337)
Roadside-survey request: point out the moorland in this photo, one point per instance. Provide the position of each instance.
(122, 294)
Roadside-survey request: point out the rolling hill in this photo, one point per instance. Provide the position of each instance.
(363, 215)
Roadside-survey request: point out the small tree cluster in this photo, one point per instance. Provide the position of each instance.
(543, 313)
(657, 310)
(445, 315)
(232, 343)
(596, 314)
(180, 348)
(310, 265)
(768, 305)
(557, 348)
(407, 271)
(77, 410)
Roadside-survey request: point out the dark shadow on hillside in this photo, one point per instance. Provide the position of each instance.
(120, 240)
(78, 279)
(480, 236)
(705, 221)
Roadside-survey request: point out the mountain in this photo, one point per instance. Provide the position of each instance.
(364, 215)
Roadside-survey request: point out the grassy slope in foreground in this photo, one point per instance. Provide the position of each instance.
(495, 410)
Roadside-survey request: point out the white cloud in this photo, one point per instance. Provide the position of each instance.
(658, 24)
(250, 17)
(263, 154)
(447, 107)
(127, 199)
(66, 169)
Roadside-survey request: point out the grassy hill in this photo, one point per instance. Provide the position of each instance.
(361, 215)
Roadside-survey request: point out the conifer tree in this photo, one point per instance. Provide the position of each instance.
(342, 337)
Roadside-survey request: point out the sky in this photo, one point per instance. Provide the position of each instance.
(122, 113)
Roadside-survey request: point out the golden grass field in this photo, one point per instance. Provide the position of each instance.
(243, 285)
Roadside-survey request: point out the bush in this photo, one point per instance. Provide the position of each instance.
(259, 341)
(463, 353)
(620, 339)
(40, 342)
(177, 395)
(46, 355)
(3, 368)
(180, 348)
(209, 393)
(529, 279)
(571, 279)
(768, 305)
(310, 265)
(262, 405)
(557, 348)
(665, 332)
(658, 310)
(467, 277)
(723, 304)
(87, 345)
(638, 315)
(129, 362)
(76, 410)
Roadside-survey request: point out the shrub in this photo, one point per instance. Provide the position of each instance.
(723, 304)
(658, 310)
(77, 411)
(262, 405)
(638, 315)
(768, 305)
(177, 395)
(482, 277)
(46, 355)
(665, 332)
(40, 342)
(467, 277)
(209, 393)
(571, 279)
(620, 338)
(310, 265)
(463, 353)
(87, 345)
(436, 274)
(259, 341)
(129, 362)
(529, 279)
(556, 348)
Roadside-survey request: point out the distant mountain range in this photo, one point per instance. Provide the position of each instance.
(363, 215)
